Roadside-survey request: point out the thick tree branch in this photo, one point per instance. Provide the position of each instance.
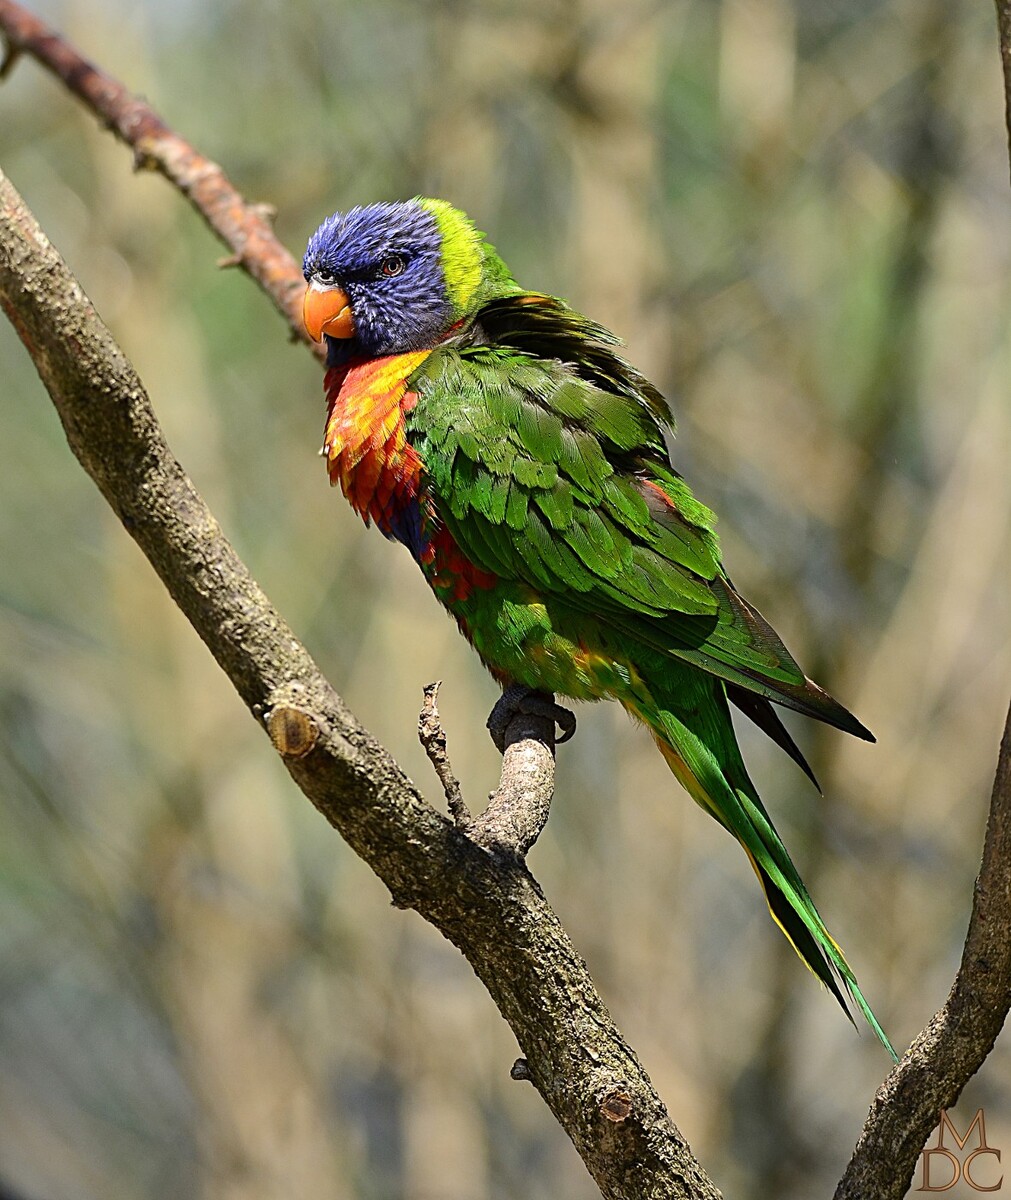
(244, 228)
(487, 905)
(954, 1045)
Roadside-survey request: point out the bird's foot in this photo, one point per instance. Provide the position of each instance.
(518, 699)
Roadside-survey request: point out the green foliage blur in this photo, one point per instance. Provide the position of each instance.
(796, 213)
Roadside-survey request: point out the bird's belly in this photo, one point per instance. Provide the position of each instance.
(523, 638)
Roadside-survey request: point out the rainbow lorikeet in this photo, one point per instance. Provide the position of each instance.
(496, 434)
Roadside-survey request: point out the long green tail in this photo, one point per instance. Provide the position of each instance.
(701, 749)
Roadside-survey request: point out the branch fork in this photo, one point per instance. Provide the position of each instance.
(522, 725)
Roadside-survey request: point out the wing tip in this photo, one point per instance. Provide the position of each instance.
(837, 714)
(758, 709)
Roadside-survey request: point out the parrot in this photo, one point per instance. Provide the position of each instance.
(500, 437)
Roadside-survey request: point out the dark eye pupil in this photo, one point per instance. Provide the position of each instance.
(393, 265)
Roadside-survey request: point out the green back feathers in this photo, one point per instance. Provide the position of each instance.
(526, 460)
(543, 326)
(534, 430)
(547, 328)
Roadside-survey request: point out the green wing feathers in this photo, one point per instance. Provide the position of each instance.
(556, 473)
(545, 456)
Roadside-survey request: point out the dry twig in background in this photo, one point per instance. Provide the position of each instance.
(246, 229)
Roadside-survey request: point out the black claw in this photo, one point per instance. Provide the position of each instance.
(565, 719)
(519, 699)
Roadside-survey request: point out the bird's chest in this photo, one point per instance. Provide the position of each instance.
(366, 447)
(370, 458)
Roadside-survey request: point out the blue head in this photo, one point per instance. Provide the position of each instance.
(390, 278)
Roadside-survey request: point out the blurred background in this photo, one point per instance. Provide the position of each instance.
(796, 213)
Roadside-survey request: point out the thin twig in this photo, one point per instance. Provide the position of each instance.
(244, 228)
(518, 809)
(433, 738)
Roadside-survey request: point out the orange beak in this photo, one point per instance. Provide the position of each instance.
(327, 311)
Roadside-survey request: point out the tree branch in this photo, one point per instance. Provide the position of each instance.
(1004, 41)
(246, 229)
(518, 808)
(959, 1037)
(522, 724)
(487, 905)
(954, 1045)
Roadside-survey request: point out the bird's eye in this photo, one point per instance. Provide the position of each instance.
(393, 265)
(326, 277)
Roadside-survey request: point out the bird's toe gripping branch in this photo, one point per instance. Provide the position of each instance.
(518, 700)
